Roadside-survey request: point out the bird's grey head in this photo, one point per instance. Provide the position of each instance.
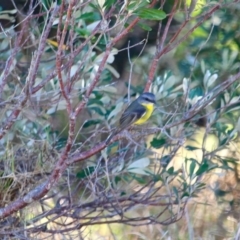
(147, 97)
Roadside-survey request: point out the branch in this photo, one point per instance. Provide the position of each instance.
(30, 80)
(61, 165)
(171, 45)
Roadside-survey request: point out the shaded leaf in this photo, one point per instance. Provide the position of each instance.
(203, 168)
(191, 148)
(150, 14)
(91, 122)
(158, 143)
(135, 5)
(175, 191)
(145, 27)
(192, 167)
(97, 110)
(140, 180)
(170, 170)
(165, 160)
(108, 3)
(87, 16)
(85, 172)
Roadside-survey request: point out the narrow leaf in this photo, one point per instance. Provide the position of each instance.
(158, 143)
(85, 172)
(150, 14)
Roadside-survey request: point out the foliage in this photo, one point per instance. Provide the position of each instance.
(60, 100)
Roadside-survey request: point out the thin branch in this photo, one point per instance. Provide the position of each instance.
(61, 37)
(30, 80)
(61, 165)
(172, 43)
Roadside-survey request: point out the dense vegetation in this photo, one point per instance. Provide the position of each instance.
(68, 69)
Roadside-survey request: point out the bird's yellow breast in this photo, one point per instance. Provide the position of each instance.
(149, 110)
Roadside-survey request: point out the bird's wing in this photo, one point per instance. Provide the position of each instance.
(129, 117)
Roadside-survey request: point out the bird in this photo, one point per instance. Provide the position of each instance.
(137, 113)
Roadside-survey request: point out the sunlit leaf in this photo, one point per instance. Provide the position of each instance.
(140, 163)
(139, 166)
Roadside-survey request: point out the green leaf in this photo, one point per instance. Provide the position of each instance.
(117, 179)
(140, 180)
(94, 6)
(157, 178)
(191, 148)
(87, 16)
(145, 27)
(136, 5)
(203, 168)
(220, 193)
(91, 122)
(175, 191)
(165, 160)
(123, 193)
(46, 3)
(185, 194)
(170, 170)
(192, 167)
(82, 32)
(158, 143)
(85, 172)
(108, 3)
(97, 110)
(150, 14)
(224, 142)
(196, 92)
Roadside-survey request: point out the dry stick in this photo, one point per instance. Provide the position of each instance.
(125, 201)
(61, 38)
(159, 48)
(10, 60)
(70, 42)
(32, 75)
(166, 29)
(61, 165)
